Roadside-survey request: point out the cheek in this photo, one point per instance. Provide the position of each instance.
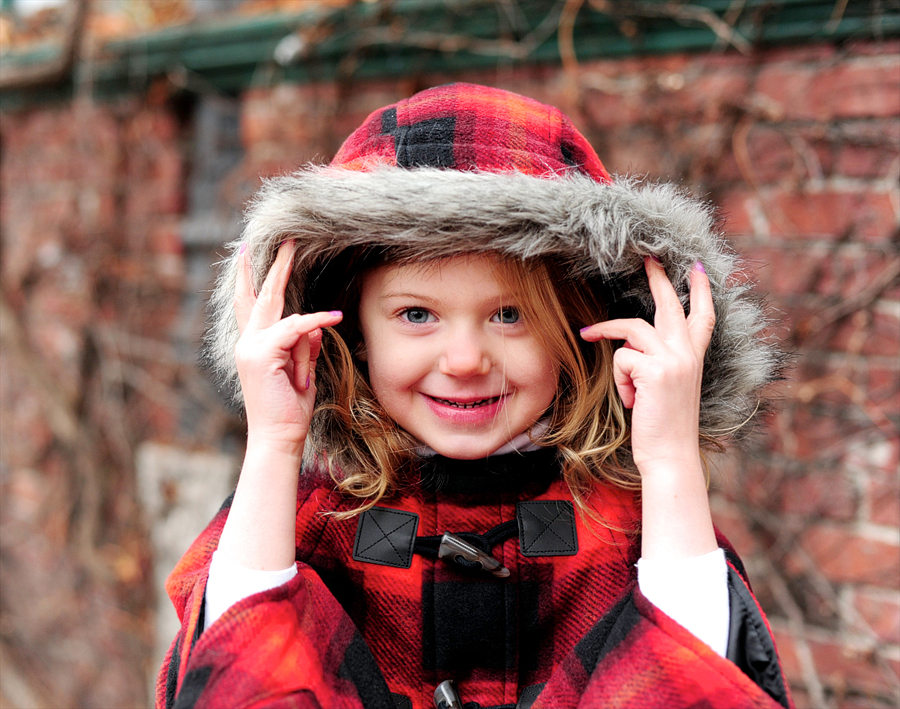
(539, 372)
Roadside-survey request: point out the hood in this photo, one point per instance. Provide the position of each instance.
(394, 195)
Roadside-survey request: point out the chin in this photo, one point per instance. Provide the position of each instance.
(466, 450)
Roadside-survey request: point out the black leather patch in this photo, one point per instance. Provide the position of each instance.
(529, 695)
(386, 537)
(547, 528)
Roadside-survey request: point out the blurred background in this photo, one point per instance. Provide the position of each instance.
(133, 131)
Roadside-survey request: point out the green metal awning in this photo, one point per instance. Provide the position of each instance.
(418, 37)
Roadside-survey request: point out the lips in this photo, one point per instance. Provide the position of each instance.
(457, 404)
(468, 412)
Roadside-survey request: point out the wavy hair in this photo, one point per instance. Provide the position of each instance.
(587, 423)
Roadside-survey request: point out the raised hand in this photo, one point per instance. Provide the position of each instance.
(658, 373)
(276, 361)
(276, 357)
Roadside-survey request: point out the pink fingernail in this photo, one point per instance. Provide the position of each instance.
(243, 248)
(335, 312)
(585, 328)
(655, 258)
(307, 381)
(699, 267)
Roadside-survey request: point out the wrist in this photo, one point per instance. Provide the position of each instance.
(275, 444)
(673, 468)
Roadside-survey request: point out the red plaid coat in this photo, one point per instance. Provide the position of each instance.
(374, 620)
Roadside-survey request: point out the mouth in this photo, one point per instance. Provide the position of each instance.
(466, 404)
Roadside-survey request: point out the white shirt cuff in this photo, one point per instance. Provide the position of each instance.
(230, 582)
(693, 592)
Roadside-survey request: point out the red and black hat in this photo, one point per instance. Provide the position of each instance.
(470, 127)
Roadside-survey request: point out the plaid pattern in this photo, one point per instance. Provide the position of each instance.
(470, 127)
(345, 633)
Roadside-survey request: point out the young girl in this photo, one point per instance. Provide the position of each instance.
(477, 374)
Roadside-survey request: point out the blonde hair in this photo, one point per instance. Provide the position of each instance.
(587, 423)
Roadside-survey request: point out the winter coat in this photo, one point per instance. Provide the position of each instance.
(375, 620)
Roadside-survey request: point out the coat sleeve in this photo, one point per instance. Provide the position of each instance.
(637, 655)
(291, 646)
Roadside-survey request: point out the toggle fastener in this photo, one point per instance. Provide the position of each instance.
(453, 548)
(446, 696)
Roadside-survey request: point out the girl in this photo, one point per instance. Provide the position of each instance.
(475, 408)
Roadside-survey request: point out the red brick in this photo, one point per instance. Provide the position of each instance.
(813, 433)
(881, 612)
(872, 333)
(772, 156)
(639, 152)
(844, 556)
(787, 653)
(731, 523)
(866, 161)
(735, 208)
(832, 214)
(869, 701)
(883, 388)
(883, 47)
(848, 671)
(859, 89)
(884, 498)
(783, 270)
(799, 53)
(819, 495)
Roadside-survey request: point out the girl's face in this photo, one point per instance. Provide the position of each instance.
(450, 358)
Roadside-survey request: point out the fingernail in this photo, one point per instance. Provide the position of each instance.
(243, 248)
(655, 258)
(307, 381)
(699, 267)
(585, 328)
(335, 312)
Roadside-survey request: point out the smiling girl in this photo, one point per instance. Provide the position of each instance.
(477, 374)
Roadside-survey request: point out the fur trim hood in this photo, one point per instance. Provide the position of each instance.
(598, 228)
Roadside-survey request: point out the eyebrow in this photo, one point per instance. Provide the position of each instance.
(408, 296)
(502, 299)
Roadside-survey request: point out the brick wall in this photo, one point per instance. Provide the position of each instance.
(800, 148)
(91, 274)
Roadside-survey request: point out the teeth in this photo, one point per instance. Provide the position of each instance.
(472, 405)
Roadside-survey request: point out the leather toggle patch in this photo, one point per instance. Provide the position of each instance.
(547, 528)
(386, 537)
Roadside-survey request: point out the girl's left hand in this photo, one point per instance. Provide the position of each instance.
(659, 370)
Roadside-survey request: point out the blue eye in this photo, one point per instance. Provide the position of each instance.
(417, 316)
(506, 316)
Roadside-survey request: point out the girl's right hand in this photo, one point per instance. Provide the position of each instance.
(276, 356)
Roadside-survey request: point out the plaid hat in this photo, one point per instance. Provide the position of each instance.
(470, 127)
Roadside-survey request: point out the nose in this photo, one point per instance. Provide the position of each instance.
(465, 356)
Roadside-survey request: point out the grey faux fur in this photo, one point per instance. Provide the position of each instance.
(599, 230)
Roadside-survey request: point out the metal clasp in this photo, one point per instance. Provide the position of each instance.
(453, 548)
(446, 696)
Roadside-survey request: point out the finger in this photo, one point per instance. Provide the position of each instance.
(285, 334)
(314, 346)
(625, 361)
(637, 333)
(300, 355)
(244, 297)
(669, 315)
(270, 301)
(702, 319)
